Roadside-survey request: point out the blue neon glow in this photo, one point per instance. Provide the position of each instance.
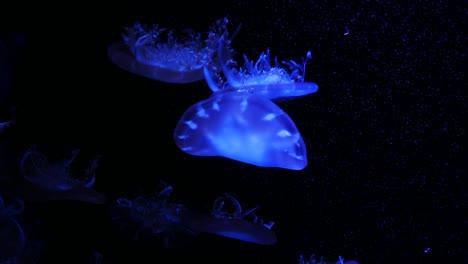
(243, 127)
(156, 53)
(158, 216)
(240, 121)
(120, 55)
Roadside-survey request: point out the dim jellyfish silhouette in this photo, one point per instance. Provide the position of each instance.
(239, 120)
(55, 175)
(227, 220)
(156, 53)
(175, 225)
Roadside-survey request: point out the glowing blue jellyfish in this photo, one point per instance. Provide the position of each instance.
(56, 176)
(156, 215)
(262, 78)
(156, 54)
(243, 127)
(228, 220)
(240, 121)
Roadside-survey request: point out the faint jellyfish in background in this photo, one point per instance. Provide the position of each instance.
(176, 225)
(228, 220)
(272, 81)
(152, 217)
(239, 121)
(58, 177)
(161, 54)
(12, 237)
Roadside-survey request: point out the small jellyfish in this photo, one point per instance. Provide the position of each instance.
(239, 229)
(152, 216)
(240, 121)
(58, 179)
(244, 127)
(157, 54)
(55, 175)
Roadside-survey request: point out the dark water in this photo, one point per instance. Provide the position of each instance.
(386, 173)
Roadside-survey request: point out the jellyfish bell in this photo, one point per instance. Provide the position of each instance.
(244, 127)
(228, 220)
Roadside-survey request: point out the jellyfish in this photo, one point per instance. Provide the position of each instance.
(244, 127)
(157, 54)
(270, 81)
(152, 216)
(228, 220)
(240, 120)
(56, 179)
(175, 224)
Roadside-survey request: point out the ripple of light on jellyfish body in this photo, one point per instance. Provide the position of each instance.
(243, 127)
(144, 53)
